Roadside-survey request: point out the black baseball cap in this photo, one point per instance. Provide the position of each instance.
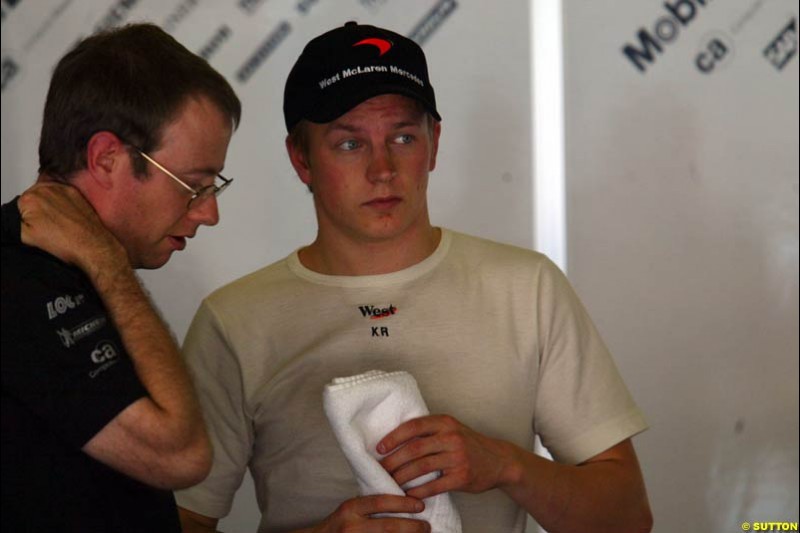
(348, 65)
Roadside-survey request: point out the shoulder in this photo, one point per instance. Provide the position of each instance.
(28, 271)
(484, 254)
(28, 264)
(252, 289)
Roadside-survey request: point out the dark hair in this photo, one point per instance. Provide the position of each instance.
(131, 81)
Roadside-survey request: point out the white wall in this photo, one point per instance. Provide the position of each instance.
(682, 225)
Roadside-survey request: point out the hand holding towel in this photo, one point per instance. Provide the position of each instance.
(362, 410)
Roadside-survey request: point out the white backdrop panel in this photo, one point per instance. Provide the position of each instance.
(682, 224)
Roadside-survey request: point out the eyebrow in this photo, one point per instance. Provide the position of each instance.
(407, 124)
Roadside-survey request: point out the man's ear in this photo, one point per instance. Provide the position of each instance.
(299, 161)
(105, 156)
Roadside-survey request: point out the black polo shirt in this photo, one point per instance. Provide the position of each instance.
(65, 375)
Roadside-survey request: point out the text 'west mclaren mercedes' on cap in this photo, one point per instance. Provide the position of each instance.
(348, 65)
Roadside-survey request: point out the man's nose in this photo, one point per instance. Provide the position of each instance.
(381, 168)
(206, 211)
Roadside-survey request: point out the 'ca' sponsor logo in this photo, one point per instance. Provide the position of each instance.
(715, 51)
(105, 355)
(104, 352)
(62, 304)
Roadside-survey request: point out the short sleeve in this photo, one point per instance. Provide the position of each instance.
(218, 379)
(583, 407)
(62, 358)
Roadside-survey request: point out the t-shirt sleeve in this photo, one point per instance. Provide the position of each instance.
(218, 379)
(63, 361)
(583, 407)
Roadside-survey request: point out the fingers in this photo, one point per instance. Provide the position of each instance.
(422, 452)
(432, 488)
(418, 427)
(51, 203)
(382, 503)
(467, 461)
(388, 525)
(59, 220)
(426, 445)
(355, 515)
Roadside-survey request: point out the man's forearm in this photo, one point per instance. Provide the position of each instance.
(158, 439)
(604, 495)
(154, 353)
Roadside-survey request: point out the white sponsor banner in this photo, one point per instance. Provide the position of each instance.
(682, 217)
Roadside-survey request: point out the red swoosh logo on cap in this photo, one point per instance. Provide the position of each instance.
(382, 44)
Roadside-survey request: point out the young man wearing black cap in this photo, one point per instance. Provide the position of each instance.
(495, 337)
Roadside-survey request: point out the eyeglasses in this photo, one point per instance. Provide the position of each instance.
(198, 195)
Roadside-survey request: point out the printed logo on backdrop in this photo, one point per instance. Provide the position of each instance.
(432, 21)
(663, 31)
(116, 15)
(8, 6)
(250, 6)
(264, 50)
(305, 6)
(220, 37)
(783, 46)
(302, 6)
(10, 70)
(178, 15)
(716, 50)
(373, 5)
(212, 45)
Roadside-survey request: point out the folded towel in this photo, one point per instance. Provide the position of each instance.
(362, 410)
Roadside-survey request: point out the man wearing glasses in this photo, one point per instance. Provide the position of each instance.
(99, 417)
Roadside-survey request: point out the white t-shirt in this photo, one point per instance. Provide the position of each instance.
(493, 334)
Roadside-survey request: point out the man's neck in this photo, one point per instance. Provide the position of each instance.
(370, 258)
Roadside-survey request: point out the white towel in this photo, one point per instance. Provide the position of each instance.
(362, 410)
